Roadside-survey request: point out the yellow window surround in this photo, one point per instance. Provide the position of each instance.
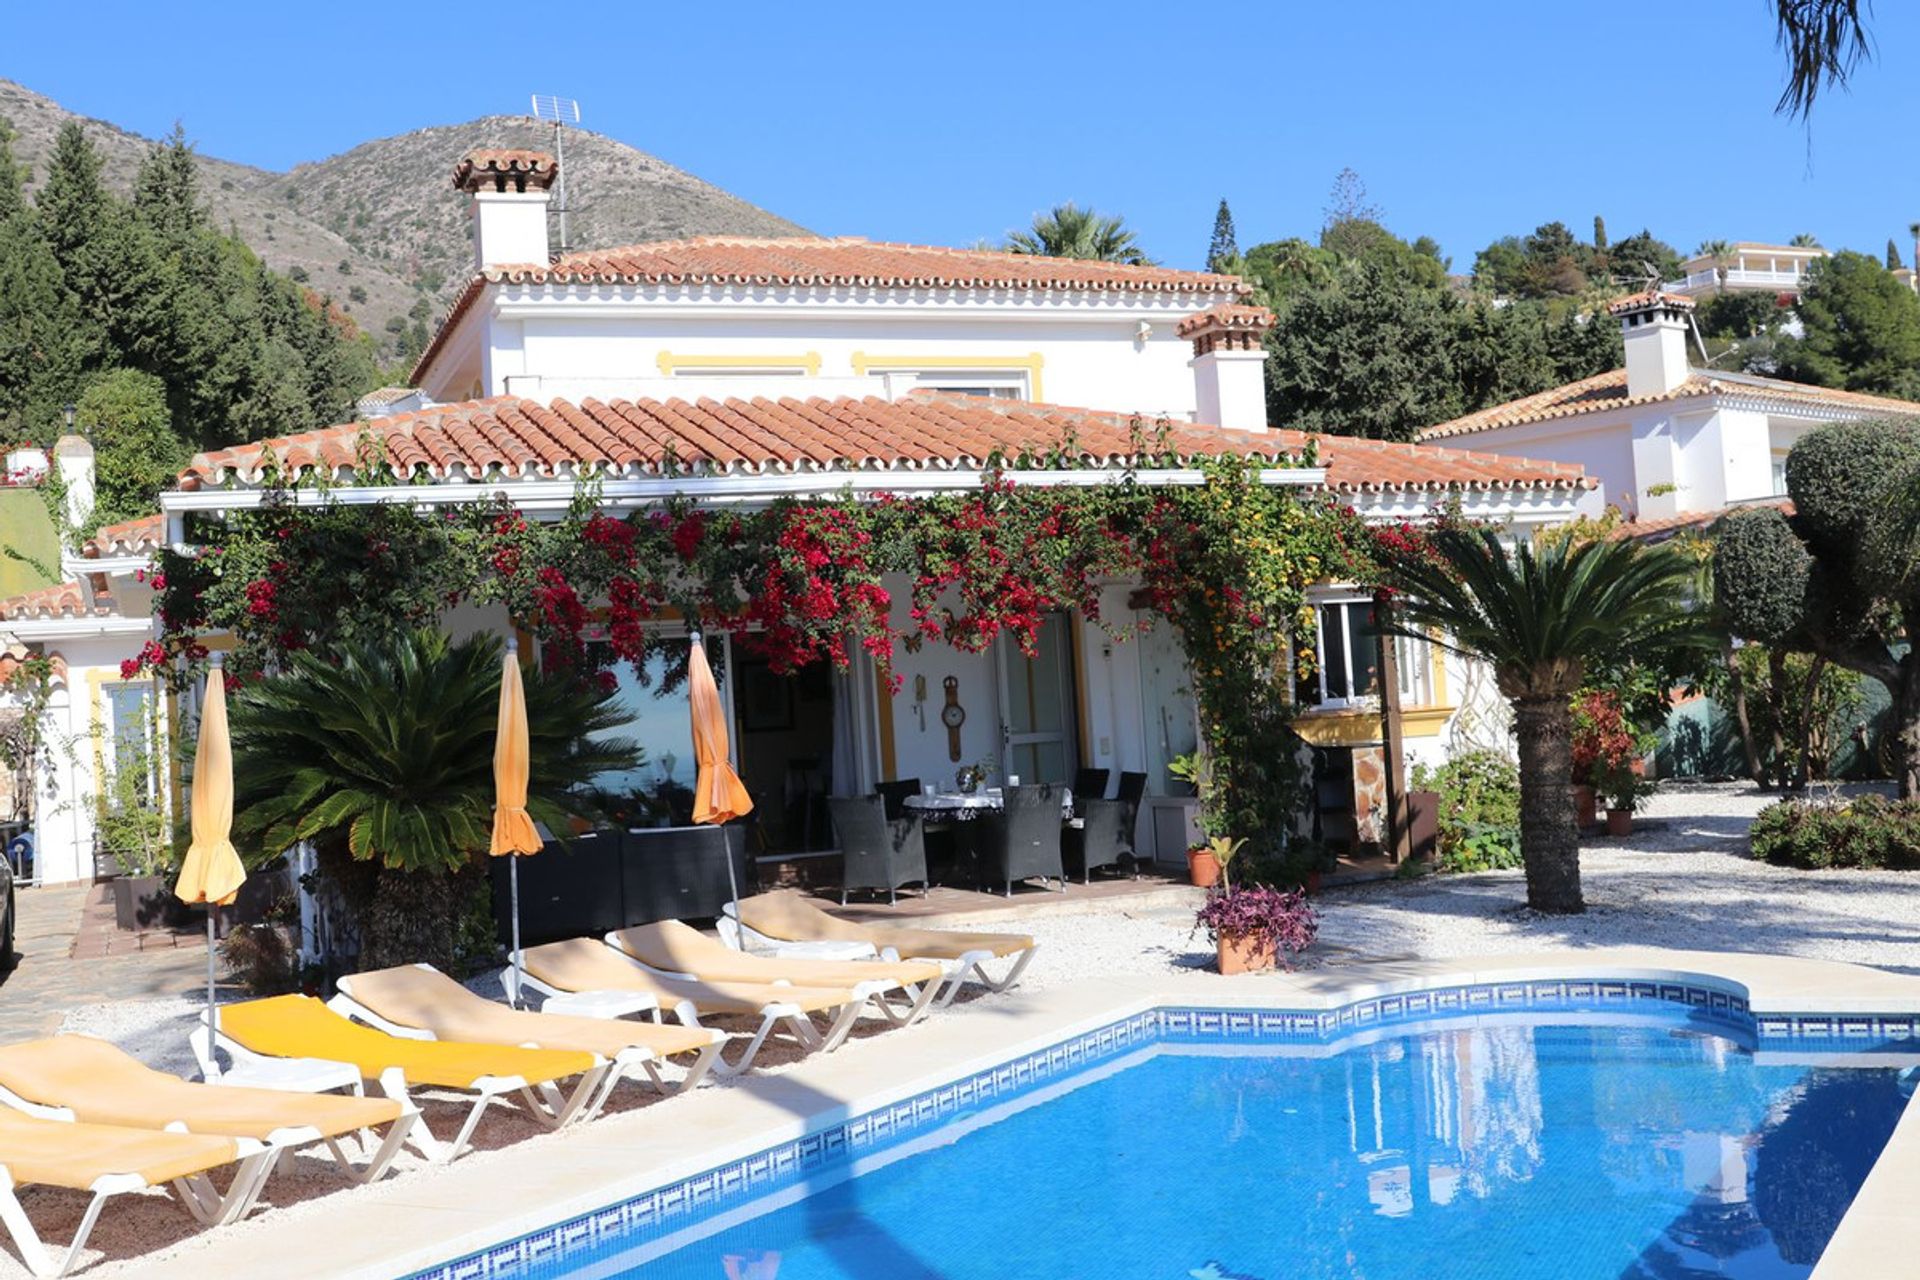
(1348, 728)
(807, 362)
(1030, 364)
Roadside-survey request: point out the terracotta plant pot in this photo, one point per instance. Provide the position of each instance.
(1203, 869)
(1313, 882)
(1619, 822)
(1243, 955)
(1586, 805)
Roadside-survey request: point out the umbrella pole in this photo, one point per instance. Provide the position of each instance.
(211, 908)
(733, 885)
(513, 896)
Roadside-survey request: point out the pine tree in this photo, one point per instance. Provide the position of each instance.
(167, 191)
(74, 206)
(1893, 255)
(1223, 247)
(1599, 233)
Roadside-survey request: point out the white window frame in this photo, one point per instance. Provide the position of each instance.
(1412, 657)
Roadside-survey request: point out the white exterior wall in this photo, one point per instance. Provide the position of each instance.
(1085, 350)
(1604, 445)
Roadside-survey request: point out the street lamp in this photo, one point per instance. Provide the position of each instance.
(67, 412)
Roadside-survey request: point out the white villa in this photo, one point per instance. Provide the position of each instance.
(1776, 268)
(1668, 443)
(798, 366)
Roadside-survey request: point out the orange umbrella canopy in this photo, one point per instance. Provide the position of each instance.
(211, 871)
(718, 794)
(512, 827)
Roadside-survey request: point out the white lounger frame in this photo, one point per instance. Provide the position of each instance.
(375, 1156)
(634, 1063)
(874, 991)
(970, 966)
(552, 1107)
(196, 1191)
(778, 1020)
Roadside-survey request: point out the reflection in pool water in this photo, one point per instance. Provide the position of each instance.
(1526, 1151)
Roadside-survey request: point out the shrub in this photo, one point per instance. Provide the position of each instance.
(1479, 810)
(1868, 832)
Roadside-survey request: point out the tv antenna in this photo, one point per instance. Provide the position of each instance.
(560, 112)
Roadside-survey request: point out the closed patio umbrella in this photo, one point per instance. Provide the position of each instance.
(718, 793)
(513, 833)
(211, 871)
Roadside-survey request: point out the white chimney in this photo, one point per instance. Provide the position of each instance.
(1228, 359)
(74, 456)
(509, 190)
(1654, 326)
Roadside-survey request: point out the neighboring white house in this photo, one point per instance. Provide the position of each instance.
(1776, 268)
(86, 625)
(1663, 438)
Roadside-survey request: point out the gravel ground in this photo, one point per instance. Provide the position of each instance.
(1682, 880)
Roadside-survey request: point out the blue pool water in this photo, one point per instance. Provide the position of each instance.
(1497, 1151)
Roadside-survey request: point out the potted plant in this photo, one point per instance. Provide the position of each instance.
(1624, 788)
(1257, 927)
(1207, 863)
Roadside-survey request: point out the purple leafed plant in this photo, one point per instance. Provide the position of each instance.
(1267, 917)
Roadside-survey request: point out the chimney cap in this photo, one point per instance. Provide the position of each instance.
(1649, 300)
(504, 169)
(1228, 317)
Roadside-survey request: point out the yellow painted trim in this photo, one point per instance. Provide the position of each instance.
(1031, 363)
(807, 362)
(1437, 663)
(1076, 634)
(98, 678)
(1351, 728)
(883, 706)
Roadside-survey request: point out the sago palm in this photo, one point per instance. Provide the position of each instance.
(1068, 231)
(384, 753)
(1543, 618)
(391, 749)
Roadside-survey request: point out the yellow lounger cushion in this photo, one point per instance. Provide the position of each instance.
(101, 1084)
(679, 948)
(431, 1001)
(582, 964)
(56, 1153)
(790, 918)
(303, 1027)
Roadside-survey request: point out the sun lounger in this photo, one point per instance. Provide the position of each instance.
(672, 948)
(79, 1078)
(773, 921)
(582, 976)
(303, 1027)
(420, 1001)
(109, 1160)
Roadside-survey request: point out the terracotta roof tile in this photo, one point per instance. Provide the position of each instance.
(838, 262)
(61, 600)
(1667, 526)
(1648, 298)
(509, 438)
(127, 538)
(1608, 391)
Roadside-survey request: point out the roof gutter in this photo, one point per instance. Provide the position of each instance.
(539, 497)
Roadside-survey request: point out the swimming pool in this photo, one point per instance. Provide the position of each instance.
(1592, 1130)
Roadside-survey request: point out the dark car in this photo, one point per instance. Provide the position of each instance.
(6, 901)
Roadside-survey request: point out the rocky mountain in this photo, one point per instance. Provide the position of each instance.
(380, 229)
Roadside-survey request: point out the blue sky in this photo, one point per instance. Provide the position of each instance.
(944, 123)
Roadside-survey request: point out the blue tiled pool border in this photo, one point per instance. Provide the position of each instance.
(678, 1203)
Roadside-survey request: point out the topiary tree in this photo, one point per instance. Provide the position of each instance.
(1838, 577)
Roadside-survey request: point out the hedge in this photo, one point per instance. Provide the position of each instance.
(1868, 832)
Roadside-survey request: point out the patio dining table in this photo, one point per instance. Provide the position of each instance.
(964, 806)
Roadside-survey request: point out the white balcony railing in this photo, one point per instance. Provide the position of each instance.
(1737, 278)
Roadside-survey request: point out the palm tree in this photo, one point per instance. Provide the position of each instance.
(382, 755)
(1068, 231)
(1721, 252)
(1543, 619)
(1824, 41)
